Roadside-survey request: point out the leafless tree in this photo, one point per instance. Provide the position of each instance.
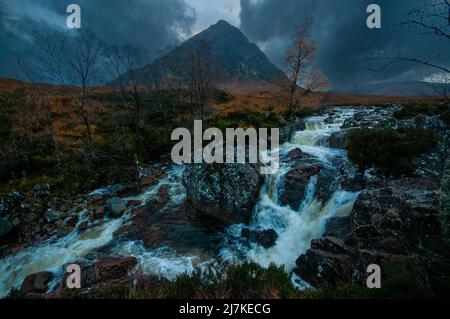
(71, 60)
(427, 17)
(126, 66)
(40, 96)
(200, 76)
(315, 81)
(298, 59)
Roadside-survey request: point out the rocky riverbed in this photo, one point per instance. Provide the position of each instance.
(319, 216)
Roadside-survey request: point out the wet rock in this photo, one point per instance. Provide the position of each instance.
(351, 179)
(432, 162)
(42, 190)
(266, 238)
(36, 283)
(327, 184)
(83, 225)
(338, 140)
(288, 131)
(99, 212)
(116, 206)
(6, 227)
(327, 261)
(226, 192)
(107, 270)
(398, 217)
(338, 227)
(295, 181)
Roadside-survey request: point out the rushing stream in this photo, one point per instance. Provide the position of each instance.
(176, 255)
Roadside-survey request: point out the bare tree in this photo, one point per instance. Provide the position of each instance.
(315, 81)
(40, 96)
(427, 18)
(71, 60)
(299, 58)
(200, 76)
(126, 66)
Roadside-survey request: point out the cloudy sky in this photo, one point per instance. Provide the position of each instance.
(340, 32)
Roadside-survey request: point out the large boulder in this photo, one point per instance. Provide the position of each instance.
(226, 192)
(399, 218)
(338, 140)
(302, 168)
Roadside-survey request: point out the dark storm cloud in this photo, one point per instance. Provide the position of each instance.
(340, 32)
(149, 24)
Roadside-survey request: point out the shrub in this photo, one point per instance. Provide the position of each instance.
(412, 110)
(391, 151)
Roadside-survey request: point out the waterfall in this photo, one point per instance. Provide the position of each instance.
(295, 228)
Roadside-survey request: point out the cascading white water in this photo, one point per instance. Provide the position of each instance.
(296, 229)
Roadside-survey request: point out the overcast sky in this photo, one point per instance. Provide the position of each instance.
(340, 32)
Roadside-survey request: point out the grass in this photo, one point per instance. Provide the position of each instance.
(401, 279)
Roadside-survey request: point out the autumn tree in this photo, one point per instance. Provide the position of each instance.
(298, 61)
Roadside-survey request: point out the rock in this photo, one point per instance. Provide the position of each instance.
(338, 140)
(398, 217)
(99, 212)
(6, 227)
(327, 184)
(10, 202)
(350, 178)
(288, 131)
(327, 261)
(52, 216)
(42, 190)
(36, 283)
(295, 181)
(83, 225)
(107, 270)
(338, 227)
(226, 192)
(116, 206)
(265, 238)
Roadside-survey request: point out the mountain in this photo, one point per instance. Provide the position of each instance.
(231, 54)
(408, 88)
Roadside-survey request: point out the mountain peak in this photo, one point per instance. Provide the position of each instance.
(230, 52)
(223, 23)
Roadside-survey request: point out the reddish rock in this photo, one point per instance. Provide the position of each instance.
(106, 270)
(36, 283)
